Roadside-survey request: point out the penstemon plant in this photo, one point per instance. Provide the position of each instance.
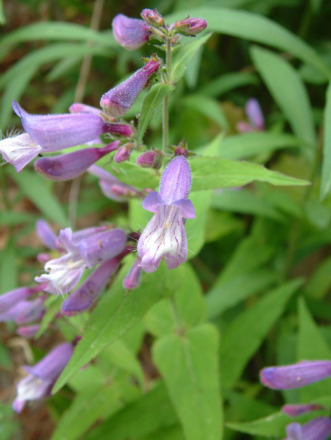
(107, 287)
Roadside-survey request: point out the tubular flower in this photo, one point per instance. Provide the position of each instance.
(118, 100)
(295, 375)
(316, 429)
(113, 188)
(130, 33)
(41, 377)
(255, 116)
(12, 298)
(165, 235)
(83, 250)
(296, 410)
(24, 311)
(68, 166)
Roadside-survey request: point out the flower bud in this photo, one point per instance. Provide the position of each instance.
(117, 101)
(190, 26)
(123, 153)
(152, 17)
(150, 159)
(130, 33)
(132, 279)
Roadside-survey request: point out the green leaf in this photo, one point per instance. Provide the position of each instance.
(249, 144)
(188, 364)
(228, 82)
(150, 105)
(34, 188)
(290, 95)
(2, 15)
(173, 433)
(148, 414)
(241, 339)
(134, 175)
(311, 346)
(88, 406)
(223, 296)
(208, 107)
(8, 268)
(184, 56)
(257, 28)
(319, 283)
(326, 165)
(245, 202)
(117, 312)
(186, 309)
(213, 172)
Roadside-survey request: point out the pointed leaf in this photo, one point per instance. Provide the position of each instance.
(326, 166)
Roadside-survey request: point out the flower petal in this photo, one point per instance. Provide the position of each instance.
(19, 150)
(176, 180)
(186, 207)
(152, 202)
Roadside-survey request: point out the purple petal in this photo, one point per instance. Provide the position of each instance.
(77, 107)
(175, 259)
(55, 132)
(254, 113)
(297, 410)
(152, 202)
(19, 150)
(51, 366)
(46, 234)
(102, 246)
(186, 207)
(190, 26)
(130, 33)
(132, 279)
(118, 100)
(28, 331)
(83, 298)
(10, 299)
(123, 153)
(176, 180)
(296, 375)
(119, 129)
(294, 431)
(244, 127)
(69, 166)
(25, 312)
(317, 429)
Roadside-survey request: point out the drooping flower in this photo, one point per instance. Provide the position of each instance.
(316, 429)
(84, 250)
(41, 377)
(113, 188)
(118, 100)
(12, 298)
(25, 311)
(165, 235)
(132, 279)
(294, 410)
(130, 33)
(68, 166)
(295, 375)
(255, 117)
(86, 294)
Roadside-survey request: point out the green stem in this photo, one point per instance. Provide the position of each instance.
(165, 113)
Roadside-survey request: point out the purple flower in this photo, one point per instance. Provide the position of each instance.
(165, 235)
(255, 117)
(316, 429)
(28, 331)
(130, 33)
(152, 17)
(19, 150)
(297, 410)
(12, 298)
(78, 107)
(84, 250)
(123, 153)
(46, 234)
(118, 100)
(69, 166)
(295, 375)
(86, 294)
(190, 26)
(132, 279)
(111, 187)
(41, 377)
(24, 311)
(150, 159)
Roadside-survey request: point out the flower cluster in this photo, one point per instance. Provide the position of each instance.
(296, 376)
(98, 250)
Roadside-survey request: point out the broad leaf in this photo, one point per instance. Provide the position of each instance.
(188, 364)
(213, 172)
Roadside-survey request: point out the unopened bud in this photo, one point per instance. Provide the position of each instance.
(123, 153)
(181, 151)
(130, 33)
(150, 159)
(152, 17)
(190, 26)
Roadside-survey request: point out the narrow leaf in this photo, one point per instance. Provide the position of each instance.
(326, 166)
